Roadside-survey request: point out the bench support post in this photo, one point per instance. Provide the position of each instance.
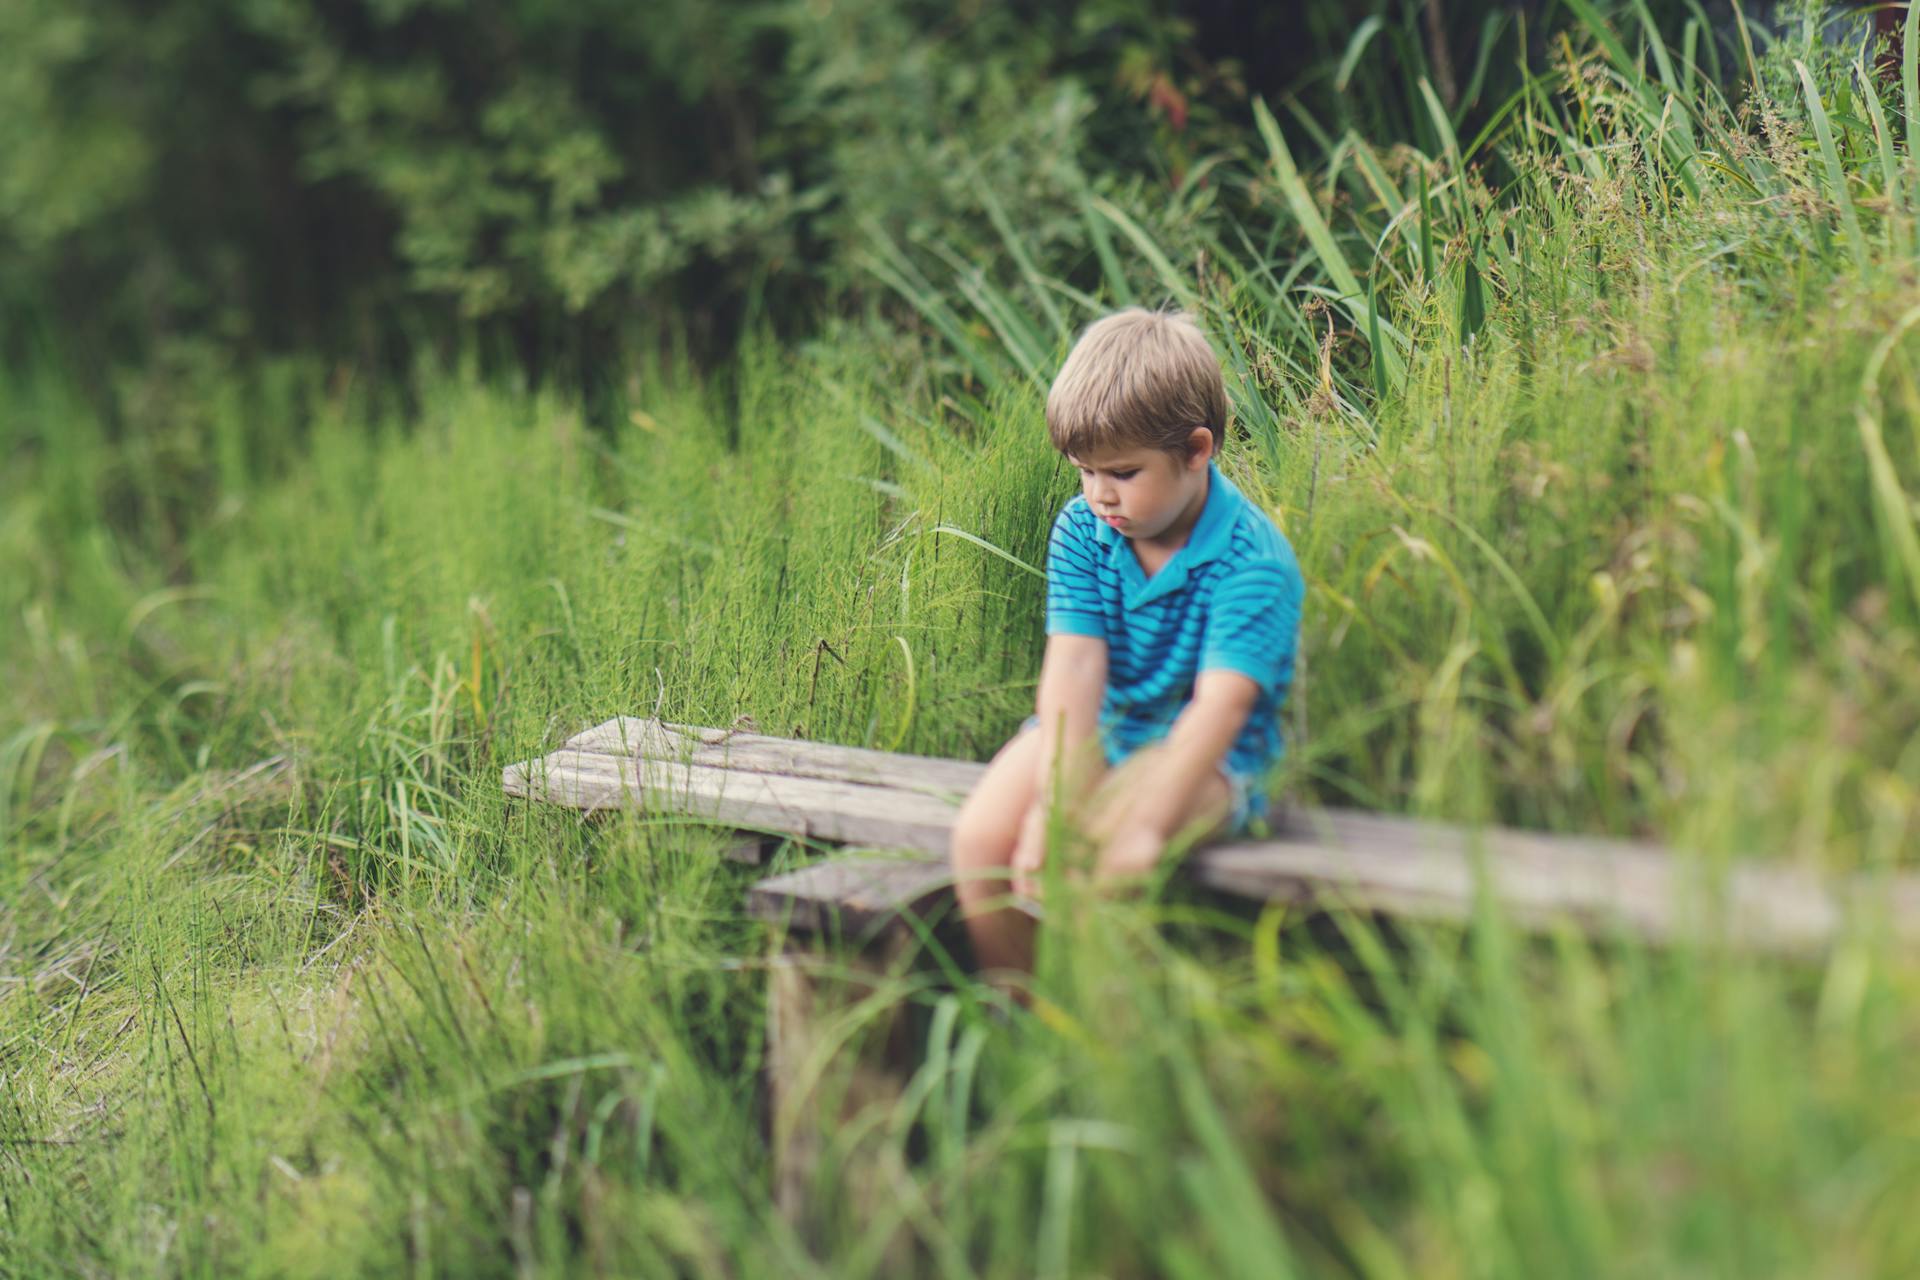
(839, 1049)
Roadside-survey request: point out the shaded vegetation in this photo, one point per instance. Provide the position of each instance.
(369, 177)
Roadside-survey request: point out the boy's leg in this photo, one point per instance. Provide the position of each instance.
(984, 834)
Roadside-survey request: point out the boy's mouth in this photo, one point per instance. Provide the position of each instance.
(1115, 521)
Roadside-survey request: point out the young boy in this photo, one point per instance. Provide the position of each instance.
(1173, 613)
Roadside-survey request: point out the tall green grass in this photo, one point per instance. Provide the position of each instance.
(286, 986)
(1575, 461)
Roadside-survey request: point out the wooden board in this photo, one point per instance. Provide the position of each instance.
(1434, 871)
(1402, 866)
(756, 753)
(844, 812)
(853, 895)
(1425, 871)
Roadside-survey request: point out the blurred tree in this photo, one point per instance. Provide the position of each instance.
(356, 176)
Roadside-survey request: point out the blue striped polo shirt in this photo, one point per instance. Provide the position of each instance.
(1227, 600)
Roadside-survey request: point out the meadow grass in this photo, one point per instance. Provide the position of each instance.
(1601, 483)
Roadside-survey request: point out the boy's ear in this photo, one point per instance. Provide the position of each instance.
(1199, 445)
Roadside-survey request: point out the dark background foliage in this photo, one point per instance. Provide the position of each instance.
(336, 175)
(356, 178)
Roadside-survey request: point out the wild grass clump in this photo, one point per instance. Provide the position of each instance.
(1598, 457)
(1583, 423)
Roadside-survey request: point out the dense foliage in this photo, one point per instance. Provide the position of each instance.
(285, 173)
(347, 176)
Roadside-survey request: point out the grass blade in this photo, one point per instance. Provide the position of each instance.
(1489, 36)
(984, 545)
(1319, 235)
(1889, 163)
(1662, 62)
(1473, 302)
(1746, 46)
(1373, 339)
(1449, 142)
(1021, 258)
(1356, 46)
(1836, 174)
(1119, 288)
(1603, 35)
(1300, 201)
(1169, 276)
(1426, 229)
(1896, 510)
(1368, 164)
(1910, 70)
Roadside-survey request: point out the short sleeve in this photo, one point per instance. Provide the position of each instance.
(1253, 623)
(1073, 582)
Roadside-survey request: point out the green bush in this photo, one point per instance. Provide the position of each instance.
(292, 173)
(352, 176)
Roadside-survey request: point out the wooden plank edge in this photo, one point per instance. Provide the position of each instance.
(1747, 910)
(844, 812)
(625, 737)
(1763, 909)
(851, 896)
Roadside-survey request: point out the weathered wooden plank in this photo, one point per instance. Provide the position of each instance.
(1398, 865)
(1421, 870)
(845, 812)
(1432, 871)
(853, 895)
(758, 753)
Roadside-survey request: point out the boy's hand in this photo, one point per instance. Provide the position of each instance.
(1030, 853)
(1130, 854)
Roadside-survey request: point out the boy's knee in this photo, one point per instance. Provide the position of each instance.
(976, 840)
(979, 870)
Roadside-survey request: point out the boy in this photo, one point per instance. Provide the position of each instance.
(1173, 613)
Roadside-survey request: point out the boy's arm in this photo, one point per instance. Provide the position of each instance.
(1199, 740)
(1073, 679)
(1252, 631)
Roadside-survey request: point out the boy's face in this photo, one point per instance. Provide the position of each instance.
(1144, 492)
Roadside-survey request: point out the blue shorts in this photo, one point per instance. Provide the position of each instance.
(1249, 802)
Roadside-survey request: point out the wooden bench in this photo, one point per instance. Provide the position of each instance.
(905, 804)
(844, 927)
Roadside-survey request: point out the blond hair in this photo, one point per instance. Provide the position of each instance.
(1137, 379)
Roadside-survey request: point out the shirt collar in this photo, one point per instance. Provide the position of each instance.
(1213, 532)
(1210, 538)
